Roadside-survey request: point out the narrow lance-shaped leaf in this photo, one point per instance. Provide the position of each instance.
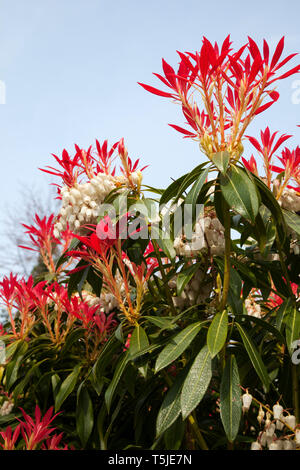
(230, 399)
(84, 414)
(292, 329)
(217, 333)
(292, 220)
(240, 193)
(138, 342)
(177, 346)
(67, 387)
(185, 276)
(171, 407)
(255, 357)
(196, 383)
(119, 370)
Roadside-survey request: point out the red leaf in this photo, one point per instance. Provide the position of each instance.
(277, 53)
(255, 143)
(155, 91)
(183, 131)
(169, 73)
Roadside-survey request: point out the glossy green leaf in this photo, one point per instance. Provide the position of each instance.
(193, 194)
(84, 414)
(196, 383)
(230, 399)
(217, 333)
(221, 160)
(138, 342)
(292, 329)
(292, 220)
(185, 276)
(119, 370)
(177, 346)
(254, 356)
(240, 193)
(171, 406)
(67, 387)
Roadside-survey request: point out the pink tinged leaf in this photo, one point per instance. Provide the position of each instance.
(263, 108)
(280, 141)
(277, 169)
(277, 53)
(283, 62)
(255, 143)
(169, 73)
(163, 80)
(254, 48)
(183, 131)
(290, 72)
(255, 69)
(155, 91)
(266, 52)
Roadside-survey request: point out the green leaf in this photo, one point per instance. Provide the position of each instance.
(240, 193)
(221, 160)
(119, 370)
(292, 329)
(185, 276)
(292, 220)
(84, 414)
(177, 346)
(164, 323)
(171, 406)
(196, 383)
(138, 342)
(255, 357)
(174, 435)
(217, 333)
(193, 194)
(230, 399)
(176, 188)
(283, 309)
(67, 387)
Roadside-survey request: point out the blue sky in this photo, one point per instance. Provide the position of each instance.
(71, 69)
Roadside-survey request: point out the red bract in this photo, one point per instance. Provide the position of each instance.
(251, 164)
(267, 148)
(37, 430)
(290, 160)
(70, 168)
(243, 77)
(105, 157)
(10, 438)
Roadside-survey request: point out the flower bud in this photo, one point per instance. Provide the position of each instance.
(290, 421)
(277, 411)
(247, 399)
(255, 446)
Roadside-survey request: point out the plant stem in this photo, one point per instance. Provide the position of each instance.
(197, 432)
(226, 280)
(296, 397)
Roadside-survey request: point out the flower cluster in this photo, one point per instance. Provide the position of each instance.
(197, 291)
(208, 237)
(6, 407)
(280, 431)
(88, 178)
